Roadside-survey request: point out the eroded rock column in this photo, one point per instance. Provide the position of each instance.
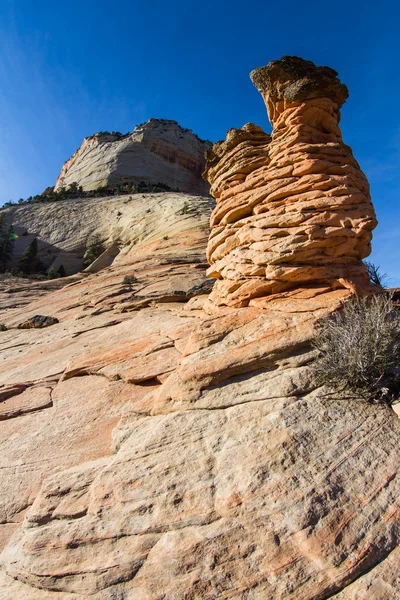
(293, 211)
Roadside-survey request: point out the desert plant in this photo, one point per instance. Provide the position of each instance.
(375, 275)
(94, 248)
(185, 208)
(6, 242)
(3, 327)
(52, 273)
(128, 279)
(29, 263)
(360, 349)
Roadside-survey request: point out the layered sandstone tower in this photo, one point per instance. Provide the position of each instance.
(294, 211)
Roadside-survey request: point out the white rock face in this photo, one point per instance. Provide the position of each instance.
(157, 151)
(66, 228)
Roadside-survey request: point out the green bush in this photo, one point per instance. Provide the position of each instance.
(94, 248)
(52, 273)
(360, 349)
(128, 279)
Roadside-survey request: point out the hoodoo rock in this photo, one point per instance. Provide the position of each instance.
(159, 151)
(293, 213)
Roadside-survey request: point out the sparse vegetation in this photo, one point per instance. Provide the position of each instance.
(376, 276)
(185, 208)
(61, 271)
(3, 327)
(74, 191)
(52, 273)
(128, 279)
(29, 263)
(6, 243)
(94, 248)
(360, 349)
(116, 133)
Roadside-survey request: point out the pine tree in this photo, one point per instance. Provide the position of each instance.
(93, 250)
(28, 261)
(6, 243)
(61, 271)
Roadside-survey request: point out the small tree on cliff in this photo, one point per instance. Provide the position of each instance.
(52, 273)
(28, 262)
(6, 243)
(94, 248)
(61, 271)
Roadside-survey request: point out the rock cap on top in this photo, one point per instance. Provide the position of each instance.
(294, 79)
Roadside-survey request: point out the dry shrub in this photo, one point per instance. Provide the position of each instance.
(375, 275)
(360, 349)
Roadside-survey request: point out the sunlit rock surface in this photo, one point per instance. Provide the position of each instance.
(157, 151)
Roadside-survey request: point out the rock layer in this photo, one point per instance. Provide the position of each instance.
(293, 209)
(157, 151)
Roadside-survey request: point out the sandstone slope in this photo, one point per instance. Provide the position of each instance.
(157, 151)
(161, 453)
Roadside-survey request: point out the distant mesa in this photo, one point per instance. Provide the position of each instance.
(157, 151)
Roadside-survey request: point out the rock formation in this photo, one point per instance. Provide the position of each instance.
(157, 151)
(293, 212)
(150, 450)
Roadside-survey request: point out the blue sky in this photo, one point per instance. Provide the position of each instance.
(69, 69)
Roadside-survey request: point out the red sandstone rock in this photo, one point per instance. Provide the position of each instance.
(293, 209)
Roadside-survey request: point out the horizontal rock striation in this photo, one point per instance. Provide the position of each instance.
(159, 151)
(293, 213)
